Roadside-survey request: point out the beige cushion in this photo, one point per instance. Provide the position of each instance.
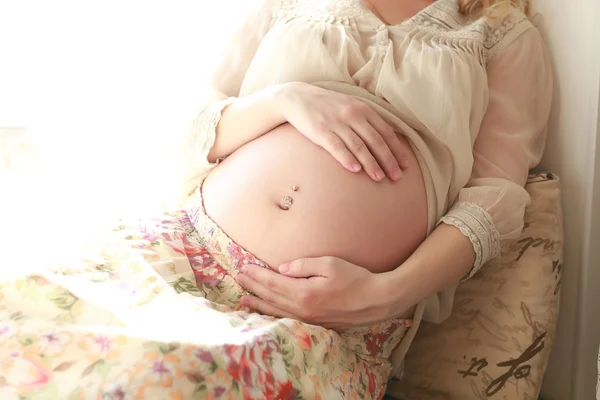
(498, 339)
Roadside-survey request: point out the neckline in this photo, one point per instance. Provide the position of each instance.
(372, 14)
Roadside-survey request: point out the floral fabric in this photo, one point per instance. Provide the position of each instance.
(155, 315)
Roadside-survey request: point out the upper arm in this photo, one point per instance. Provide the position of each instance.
(511, 140)
(248, 23)
(512, 136)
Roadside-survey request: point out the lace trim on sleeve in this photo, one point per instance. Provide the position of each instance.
(477, 225)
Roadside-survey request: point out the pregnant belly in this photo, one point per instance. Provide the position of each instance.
(334, 212)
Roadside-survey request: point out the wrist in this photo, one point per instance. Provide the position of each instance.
(282, 96)
(391, 295)
(272, 99)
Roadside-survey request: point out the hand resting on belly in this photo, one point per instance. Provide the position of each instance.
(333, 212)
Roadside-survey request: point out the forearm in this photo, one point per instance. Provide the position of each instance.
(443, 259)
(246, 119)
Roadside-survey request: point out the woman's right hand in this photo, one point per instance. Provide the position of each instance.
(346, 127)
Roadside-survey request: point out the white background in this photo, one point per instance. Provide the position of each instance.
(572, 29)
(102, 88)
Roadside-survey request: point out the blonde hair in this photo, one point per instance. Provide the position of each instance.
(473, 8)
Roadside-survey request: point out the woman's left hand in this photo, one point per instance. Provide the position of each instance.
(324, 291)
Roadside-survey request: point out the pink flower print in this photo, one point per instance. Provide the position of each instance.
(203, 260)
(219, 391)
(212, 232)
(164, 370)
(116, 394)
(190, 246)
(4, 330)
(302, 337)
(206, 269)
(235, 252)
(181, 219)
(202, 279)
(96, 347)
(240, 257)
(205, 356)
(376, 342)
(53, 344)
(192, 215)
(25, 372)
(159, 368)
(51, 338)
(103, 343)
(149, 234)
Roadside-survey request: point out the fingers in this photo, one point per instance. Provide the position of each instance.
(357, 146)
(268, 284)
(303, 268)
(358, 138)
(337, 148)
(379, 145)
(265, 308)
(266, 294)
(391, 138)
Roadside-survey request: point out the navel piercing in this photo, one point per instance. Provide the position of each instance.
(286, 202)
(295, 188)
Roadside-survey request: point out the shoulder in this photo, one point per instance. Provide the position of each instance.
(492, 33)
(501, 32)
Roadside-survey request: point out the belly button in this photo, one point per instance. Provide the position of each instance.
(286, 202)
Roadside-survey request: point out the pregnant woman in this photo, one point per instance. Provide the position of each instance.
(367, 155)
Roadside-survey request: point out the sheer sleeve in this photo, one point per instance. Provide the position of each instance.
(251, 21)
(511, 140)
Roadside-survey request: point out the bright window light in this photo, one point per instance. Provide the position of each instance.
(98, 89)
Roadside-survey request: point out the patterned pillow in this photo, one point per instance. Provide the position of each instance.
(598, 384)
(497, 342)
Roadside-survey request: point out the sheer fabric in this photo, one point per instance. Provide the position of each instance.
(472, 96)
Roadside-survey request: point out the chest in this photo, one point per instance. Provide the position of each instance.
(353, 46)
(394, 12)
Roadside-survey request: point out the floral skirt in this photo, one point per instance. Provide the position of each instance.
(155, 314)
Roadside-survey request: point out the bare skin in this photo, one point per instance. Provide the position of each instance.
(322, 274)
(334, 212)
(392, 12)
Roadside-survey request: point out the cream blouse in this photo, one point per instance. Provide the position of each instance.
(472, 97)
